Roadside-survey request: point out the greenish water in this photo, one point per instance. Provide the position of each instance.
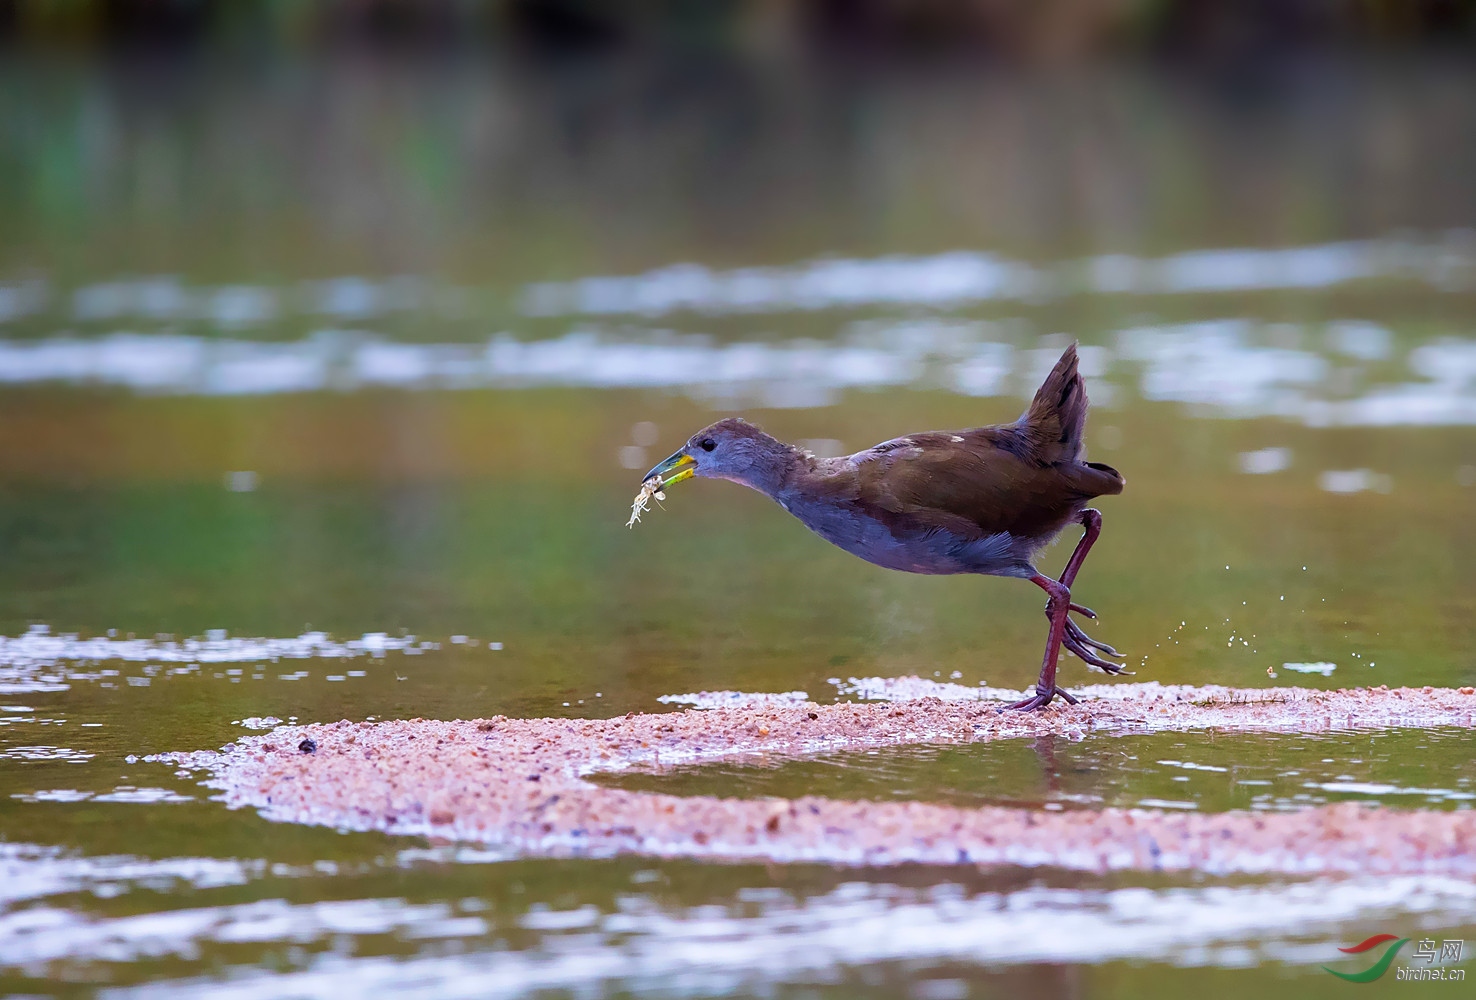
(1211, 772)
(271, 377)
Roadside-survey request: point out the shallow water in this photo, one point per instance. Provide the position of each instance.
(1208, 772)
(370, 456)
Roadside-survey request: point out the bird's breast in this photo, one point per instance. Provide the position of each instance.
(932, 552)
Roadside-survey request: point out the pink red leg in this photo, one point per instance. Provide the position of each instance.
(1091, 520)
(1058, 606)
(1065, 632)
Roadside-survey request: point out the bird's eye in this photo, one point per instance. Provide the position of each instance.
(707, 444)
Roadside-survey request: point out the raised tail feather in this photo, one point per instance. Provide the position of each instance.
(1093, 479)
(1054, 422)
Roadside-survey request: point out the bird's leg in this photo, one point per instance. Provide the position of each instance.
(1058, 606)
(1075, 640)
(1091, 520)
(1045, 752)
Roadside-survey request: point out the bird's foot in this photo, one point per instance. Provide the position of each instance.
(1081, 609)
(1041, 699)
(1082, 646)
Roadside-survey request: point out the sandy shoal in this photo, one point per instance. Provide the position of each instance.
(519, 785)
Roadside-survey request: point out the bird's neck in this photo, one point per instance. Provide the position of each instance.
(778, 467)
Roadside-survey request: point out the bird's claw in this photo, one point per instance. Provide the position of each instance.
(1088, 657)
(1074, 631)
(1082, 645)
(1080, 609)
(1040, 700)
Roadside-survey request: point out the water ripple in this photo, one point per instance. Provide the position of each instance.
(767, 937)
(963, 277)
(40, 661)
(1225, 367)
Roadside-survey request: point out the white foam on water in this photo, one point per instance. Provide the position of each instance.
(39, 646)
(1149, 692)
(908, 688)
(1360, 339)
(1265, 461)
(1444, 262)
(1188, 765)
(962, 277)
(1354, 481)
(1321, 667)
(1220, 367)
(123, 793)
(1215, 364)
(1374, 788)
(31, 871)
(735, 699)
(762, 938)
(1151, 803)
(42, 934)
(944, 279)
(46, 753)
(41, 661)
(234, 306)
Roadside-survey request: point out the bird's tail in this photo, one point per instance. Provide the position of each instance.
(1054, 423)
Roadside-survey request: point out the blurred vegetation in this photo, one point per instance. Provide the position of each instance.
(1035, 31)
(492, 171)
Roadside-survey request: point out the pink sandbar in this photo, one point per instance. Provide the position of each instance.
(519, 785)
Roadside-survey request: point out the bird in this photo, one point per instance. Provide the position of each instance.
(983, 500)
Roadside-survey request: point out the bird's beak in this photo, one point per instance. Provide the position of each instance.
(684, 465)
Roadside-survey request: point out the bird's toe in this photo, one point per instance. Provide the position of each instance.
(1075, 633)
(1040, 700)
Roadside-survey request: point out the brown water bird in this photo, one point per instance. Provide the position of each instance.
(984, 500)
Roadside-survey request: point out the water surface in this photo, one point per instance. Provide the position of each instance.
(1204, 772)
(324, 391)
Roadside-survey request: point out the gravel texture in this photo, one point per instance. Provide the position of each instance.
(519, 785)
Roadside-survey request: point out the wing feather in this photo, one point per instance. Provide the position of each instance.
(973, 483)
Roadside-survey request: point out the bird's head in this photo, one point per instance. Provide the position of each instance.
(729, 449)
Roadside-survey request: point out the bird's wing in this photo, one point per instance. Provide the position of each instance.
(971, 484)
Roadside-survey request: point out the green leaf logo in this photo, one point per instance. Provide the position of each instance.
(1380, 967)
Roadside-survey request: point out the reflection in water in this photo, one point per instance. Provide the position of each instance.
(955, 279)
(123, 793)
(39, 935)
(39, 647)
(947, 281)
(1050, 768)
(45, 753)
(1265, 461)
(33, 871)
(942, 281)
(739, 943)
(1222, 367)
(1209, 772)
(39, 661)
